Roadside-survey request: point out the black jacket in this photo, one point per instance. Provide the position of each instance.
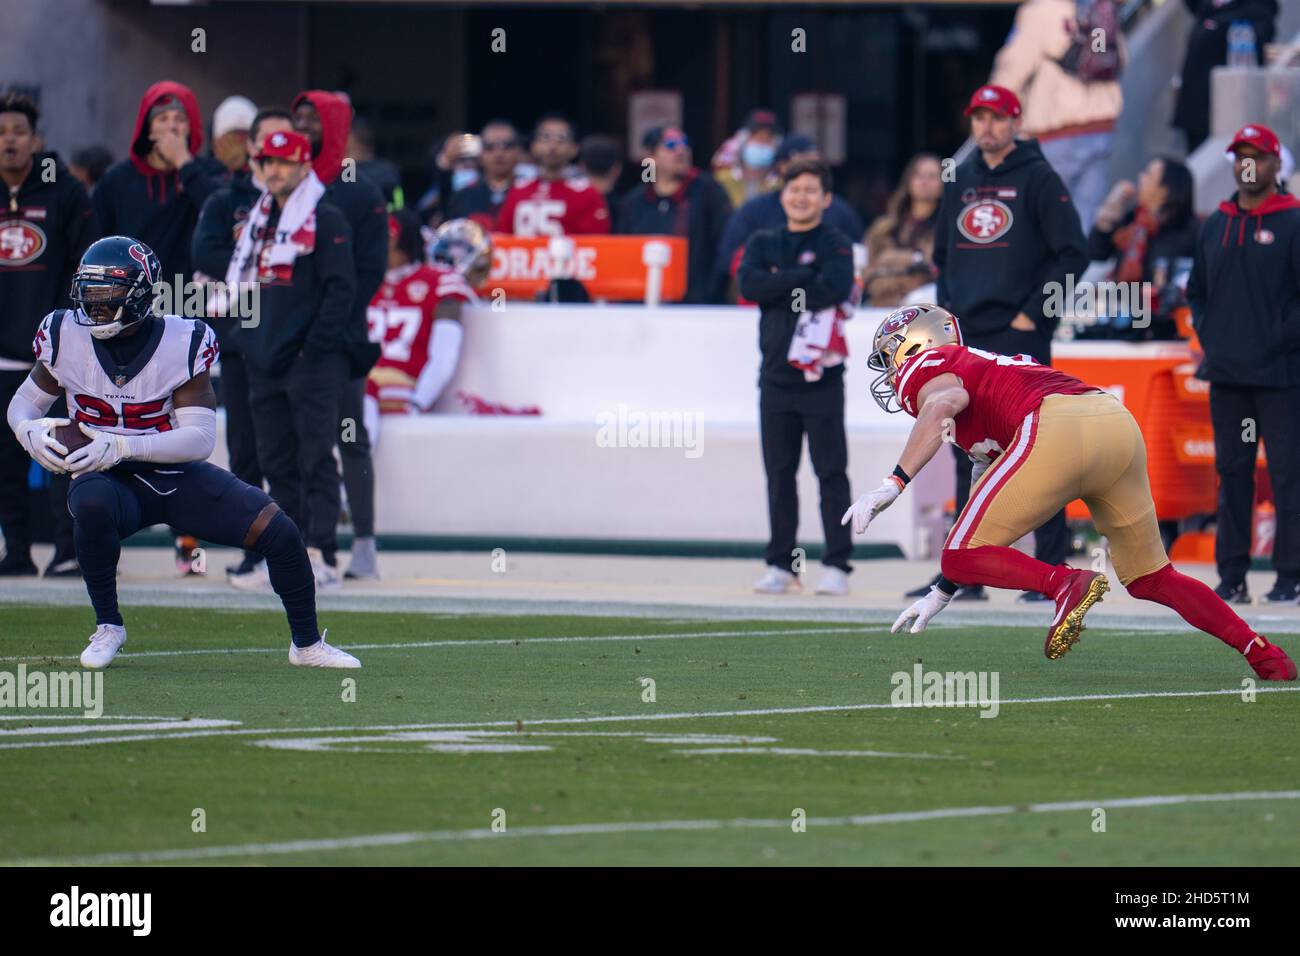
(765, 212)
(214, 242)
(311, 312)
(1207, 47)
(1244, 291)
(363, 206)
(44, 229)
(1001, 236)
(777, 263)
(698, 211)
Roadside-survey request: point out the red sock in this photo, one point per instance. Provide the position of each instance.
(1198, 605)
(1001, 568)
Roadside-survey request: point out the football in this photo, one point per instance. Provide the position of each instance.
(70, 437)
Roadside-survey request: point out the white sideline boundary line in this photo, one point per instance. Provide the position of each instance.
(657, 826)
(635, 718)
(469, 642)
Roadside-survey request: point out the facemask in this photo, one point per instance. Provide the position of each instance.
(463, 179)
(758, 155)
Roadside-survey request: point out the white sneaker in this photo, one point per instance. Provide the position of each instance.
(364, 565)
(327, 577)
(834, 582)
(777, 581)
(321, 654)
(104, 645)
(257, 580)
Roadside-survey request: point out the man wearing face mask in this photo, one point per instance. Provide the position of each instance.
(480, 199)
(680, 201)
(754, 174)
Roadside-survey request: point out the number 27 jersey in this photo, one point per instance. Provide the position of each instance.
(1003, 390)
(127, 400)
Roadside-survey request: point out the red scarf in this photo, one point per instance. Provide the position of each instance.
(1133, 239)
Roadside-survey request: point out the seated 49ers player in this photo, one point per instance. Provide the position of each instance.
(138, 386)
(1039, 439)
(415, 315)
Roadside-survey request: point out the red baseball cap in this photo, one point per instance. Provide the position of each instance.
(1261, 137)
(999, 99)
(286, 144)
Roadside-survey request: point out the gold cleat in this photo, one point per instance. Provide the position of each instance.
(1083, 590)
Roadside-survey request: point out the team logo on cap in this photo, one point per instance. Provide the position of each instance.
(1249, 131)
(21, 242)
(988, 95)
(278, 139)
(985, 221)
(1264, 237)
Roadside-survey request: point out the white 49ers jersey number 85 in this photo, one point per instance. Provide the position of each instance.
(131, 400)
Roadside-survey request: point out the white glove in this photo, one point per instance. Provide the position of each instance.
(919, 614)
(104, 451)
(872, 503)
(36, 435)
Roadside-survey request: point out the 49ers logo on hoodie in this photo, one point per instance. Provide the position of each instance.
(21, 242)
(984, 220)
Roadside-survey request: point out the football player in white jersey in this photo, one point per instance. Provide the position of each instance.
(137, 385)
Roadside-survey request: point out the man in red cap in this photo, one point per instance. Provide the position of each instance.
(1006, 234)
(296, 247)
(1244, 291)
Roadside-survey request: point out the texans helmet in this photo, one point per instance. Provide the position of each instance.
(113, 286)
(904, 333)
(463, 245)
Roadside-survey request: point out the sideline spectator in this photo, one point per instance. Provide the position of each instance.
(298, 247)
(679, 201)
(746, 164)
(1150, 228)
(45, 227)
(230, 123)
(154, 195)
(1244, 291)
(809, 256)
(1071, 94)
(220, 222)
(553, 203)
(382, 172)
(1207, 47)
(89, 163)
(765, 212)
(501, 154)
(325, 119)
(600, 158)
(900, 244)
(1006, 233)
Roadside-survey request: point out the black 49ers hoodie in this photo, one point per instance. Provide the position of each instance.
(1002, 235)
(1244, 291)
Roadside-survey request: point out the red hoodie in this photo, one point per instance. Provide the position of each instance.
(335, 124)
(141, 145)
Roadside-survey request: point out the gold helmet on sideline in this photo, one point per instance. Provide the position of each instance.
(465, 246)
(904, 333)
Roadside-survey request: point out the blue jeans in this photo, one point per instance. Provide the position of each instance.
(1083, 162)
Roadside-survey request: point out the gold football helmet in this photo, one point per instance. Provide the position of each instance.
(904, 333)
(465, 246)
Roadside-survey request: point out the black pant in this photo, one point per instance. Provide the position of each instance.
(1051, 541)
(354, 453)
(241, 437)
(1275, 413)
(785, 416)
(296, 418)
(15, 498)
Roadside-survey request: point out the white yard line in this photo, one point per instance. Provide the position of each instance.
(625, 718)
(373, 840)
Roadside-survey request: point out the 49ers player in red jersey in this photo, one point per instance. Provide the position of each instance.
(415, 315)
(552, 205)
(1039, 439)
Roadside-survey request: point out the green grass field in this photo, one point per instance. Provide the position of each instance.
(539, 723)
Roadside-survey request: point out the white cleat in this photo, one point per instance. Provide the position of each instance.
(321, 654)
(777, 581)
(327, 577)
(257, 580)
(834, 582)
(104, 645)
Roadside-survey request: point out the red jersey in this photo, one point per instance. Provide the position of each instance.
(1003, 389)
(564, 207)
(401, 319)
